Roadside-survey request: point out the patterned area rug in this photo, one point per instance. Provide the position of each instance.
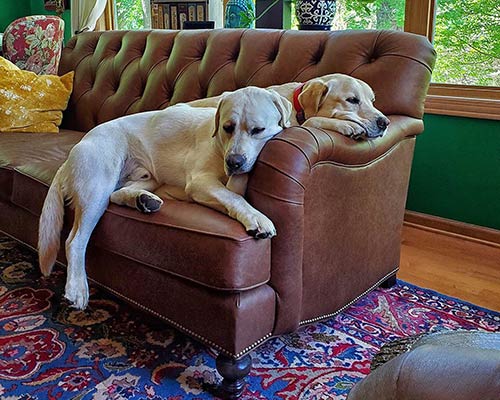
(51, 351)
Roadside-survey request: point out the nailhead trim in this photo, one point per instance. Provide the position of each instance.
(308, 321)
(184, 329)
(253, 345)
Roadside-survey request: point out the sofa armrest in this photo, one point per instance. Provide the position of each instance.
(281, 183)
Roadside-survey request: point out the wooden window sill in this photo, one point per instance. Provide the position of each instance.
(464, 101)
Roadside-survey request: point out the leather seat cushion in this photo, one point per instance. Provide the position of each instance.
(41, 152)
(184, 239)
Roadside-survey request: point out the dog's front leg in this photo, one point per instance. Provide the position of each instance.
(346, 128)
(138, 195)
(210, 192)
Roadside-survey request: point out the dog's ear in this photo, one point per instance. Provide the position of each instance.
(312, 96)
(217, 117)
(284, 106)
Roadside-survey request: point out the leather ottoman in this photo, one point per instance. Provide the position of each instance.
(456, 365)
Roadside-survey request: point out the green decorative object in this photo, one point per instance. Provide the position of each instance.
(240, 14)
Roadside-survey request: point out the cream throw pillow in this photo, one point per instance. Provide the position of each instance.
(31, 102)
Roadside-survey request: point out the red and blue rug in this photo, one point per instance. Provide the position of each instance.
(112, 352)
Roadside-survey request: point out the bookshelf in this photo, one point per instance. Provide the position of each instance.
(171, 14)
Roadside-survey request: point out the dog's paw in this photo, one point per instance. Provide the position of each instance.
(260, 227)
(346, 128)
(77, 292)
(148, 203)
(351, 129)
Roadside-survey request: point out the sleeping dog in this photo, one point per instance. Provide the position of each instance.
(195, 150)
(335, 102)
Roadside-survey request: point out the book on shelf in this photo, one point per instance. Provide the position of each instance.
(166, 16)
(173, 17)
(160, 17)
(200, 12)
(191, 12)
(183, 14)
(154, 15)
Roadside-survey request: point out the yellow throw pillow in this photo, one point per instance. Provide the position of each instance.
(7, 64)
(31, 102)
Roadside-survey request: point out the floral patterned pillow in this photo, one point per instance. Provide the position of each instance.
(31, 102)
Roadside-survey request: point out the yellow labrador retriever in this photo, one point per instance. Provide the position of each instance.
(335, 102)
(193, 149)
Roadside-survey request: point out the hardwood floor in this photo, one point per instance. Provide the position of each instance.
(454, 266)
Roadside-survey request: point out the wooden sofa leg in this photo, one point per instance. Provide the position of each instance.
(234, 372)
(389, 282)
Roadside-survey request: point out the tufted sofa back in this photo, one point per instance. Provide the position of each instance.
(124, 72)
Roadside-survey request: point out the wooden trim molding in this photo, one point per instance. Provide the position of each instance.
(463, 107)
(464, 101)
(478, 92)
(419, 17)
(474, 233)
(106, 21)
(109, 16)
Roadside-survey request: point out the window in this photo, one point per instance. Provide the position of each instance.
(132, 14)
(449, 98)
(466, 35)
(377, 14)
(467, 40)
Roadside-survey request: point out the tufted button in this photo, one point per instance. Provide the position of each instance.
(236, 54)
(373, 58)
(316, 60)
(273, 55)
(318, 56)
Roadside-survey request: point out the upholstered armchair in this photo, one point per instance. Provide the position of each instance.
(34, 43)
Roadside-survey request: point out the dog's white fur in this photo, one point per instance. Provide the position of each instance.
(186, 149)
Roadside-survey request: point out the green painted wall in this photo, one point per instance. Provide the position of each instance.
(13, 9)
(456, 170)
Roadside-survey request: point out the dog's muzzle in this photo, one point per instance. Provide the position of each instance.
(235, 163)
(379, 127)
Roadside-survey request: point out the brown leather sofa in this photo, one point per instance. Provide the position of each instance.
(337, 204)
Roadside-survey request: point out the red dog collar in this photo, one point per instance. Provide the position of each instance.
(301, 117)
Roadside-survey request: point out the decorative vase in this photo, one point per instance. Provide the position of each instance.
(240, 14)
(315, 15)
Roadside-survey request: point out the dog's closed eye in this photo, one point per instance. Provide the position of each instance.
(256, 131)
(352, 100)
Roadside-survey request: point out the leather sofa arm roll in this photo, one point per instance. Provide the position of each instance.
(278, 186)
(285, 163)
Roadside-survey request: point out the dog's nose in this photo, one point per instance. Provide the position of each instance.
(383, 123)
(235, 161)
